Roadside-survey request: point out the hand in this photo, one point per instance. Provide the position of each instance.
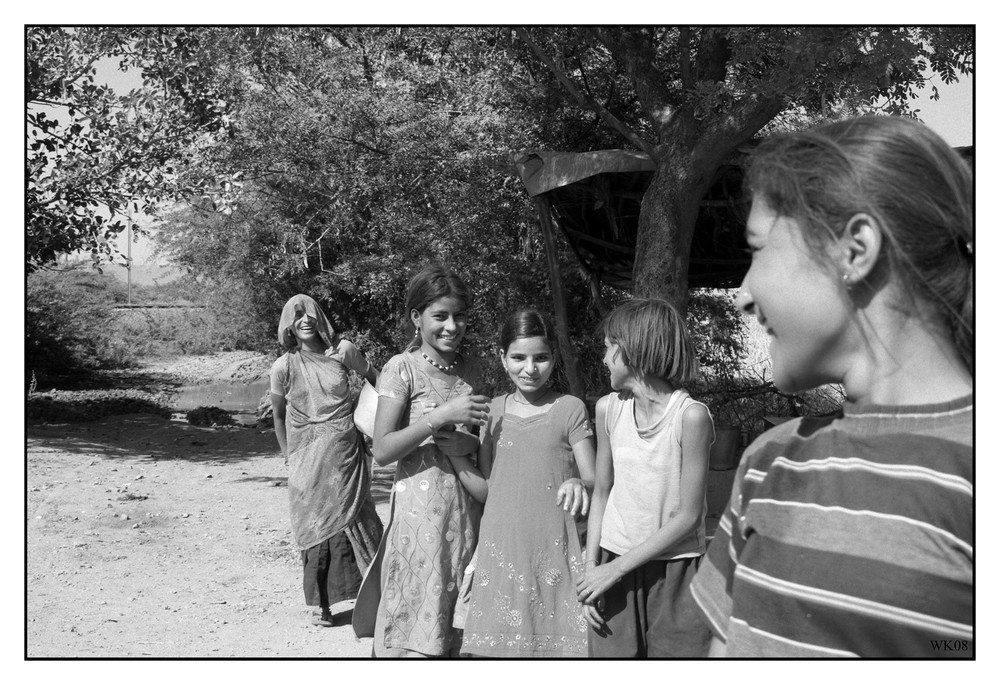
(455, 443)
(573, 497)
(596, 581)
(469, 409)
(592, 613)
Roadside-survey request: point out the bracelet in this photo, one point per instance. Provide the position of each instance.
(431, 426)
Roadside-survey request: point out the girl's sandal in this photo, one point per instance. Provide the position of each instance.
(324, 619)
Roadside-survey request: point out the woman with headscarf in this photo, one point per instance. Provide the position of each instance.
(334, 522)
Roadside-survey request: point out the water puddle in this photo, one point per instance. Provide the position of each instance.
(240, 400)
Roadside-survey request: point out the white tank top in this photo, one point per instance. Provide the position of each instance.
(647, 485)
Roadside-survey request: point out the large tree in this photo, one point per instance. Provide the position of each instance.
(695, 94)
(97, 159)
(362, 153)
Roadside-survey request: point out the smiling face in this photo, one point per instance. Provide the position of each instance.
(799, 301)
(441, 327)
(304, 327)
(529, 362)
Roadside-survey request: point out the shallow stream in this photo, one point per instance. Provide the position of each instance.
(241, 400)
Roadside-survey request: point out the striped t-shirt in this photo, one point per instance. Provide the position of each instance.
(849, 535)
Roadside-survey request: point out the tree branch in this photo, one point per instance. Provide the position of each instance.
(636, 54)
(582, 99)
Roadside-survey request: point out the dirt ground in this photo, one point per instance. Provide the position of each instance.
(150, 537)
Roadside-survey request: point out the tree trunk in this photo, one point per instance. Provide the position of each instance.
(666, 228)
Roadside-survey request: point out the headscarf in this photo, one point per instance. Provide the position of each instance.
(293, 309)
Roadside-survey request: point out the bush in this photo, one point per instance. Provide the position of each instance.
(69, 323)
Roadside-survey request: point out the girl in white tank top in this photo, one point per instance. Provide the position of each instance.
(646, 530)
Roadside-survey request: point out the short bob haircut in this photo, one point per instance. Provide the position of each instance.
(652, 339)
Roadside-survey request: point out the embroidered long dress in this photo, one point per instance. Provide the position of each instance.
(431, 534)
(523, 599)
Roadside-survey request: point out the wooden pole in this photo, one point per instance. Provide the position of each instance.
(128, 259)
(566, 350)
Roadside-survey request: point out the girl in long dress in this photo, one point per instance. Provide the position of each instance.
(538, 452)
(425, 423)
(334, 522)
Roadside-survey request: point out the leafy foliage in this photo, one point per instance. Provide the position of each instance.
(365, 154)
(95, 158)
(690, 96)
(338, 161)
(67, 317)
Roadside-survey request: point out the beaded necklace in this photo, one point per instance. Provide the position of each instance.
(433, 363)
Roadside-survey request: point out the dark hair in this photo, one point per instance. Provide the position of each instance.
(904, 176)
(652, 339)
(527, 323)
(431, 284)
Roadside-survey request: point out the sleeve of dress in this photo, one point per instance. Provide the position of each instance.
(712, 586)
(279, 376)
(577, 421)
(353, 358)
(395, 380)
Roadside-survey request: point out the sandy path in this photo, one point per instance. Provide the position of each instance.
(150, 537)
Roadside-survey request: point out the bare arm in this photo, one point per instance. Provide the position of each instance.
(475, 476)
(696, 432)
(391, 443)
(470, 477)
(604, 478)
(573, 494)
(278, 416)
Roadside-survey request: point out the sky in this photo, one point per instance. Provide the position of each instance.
(952, 115)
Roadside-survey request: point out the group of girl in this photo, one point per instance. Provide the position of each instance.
(518, 528)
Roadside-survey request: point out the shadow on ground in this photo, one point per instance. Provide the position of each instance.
(152, 438)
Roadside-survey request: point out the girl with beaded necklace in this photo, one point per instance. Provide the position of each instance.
(425, 423)
(538, 453)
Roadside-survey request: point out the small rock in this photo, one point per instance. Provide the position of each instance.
(138, 478)
(135, 525)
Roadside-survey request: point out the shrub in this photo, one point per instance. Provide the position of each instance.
(69, 323)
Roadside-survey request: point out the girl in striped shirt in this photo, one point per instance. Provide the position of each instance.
(851, 535)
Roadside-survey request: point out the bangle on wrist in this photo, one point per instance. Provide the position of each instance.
(431, 426)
